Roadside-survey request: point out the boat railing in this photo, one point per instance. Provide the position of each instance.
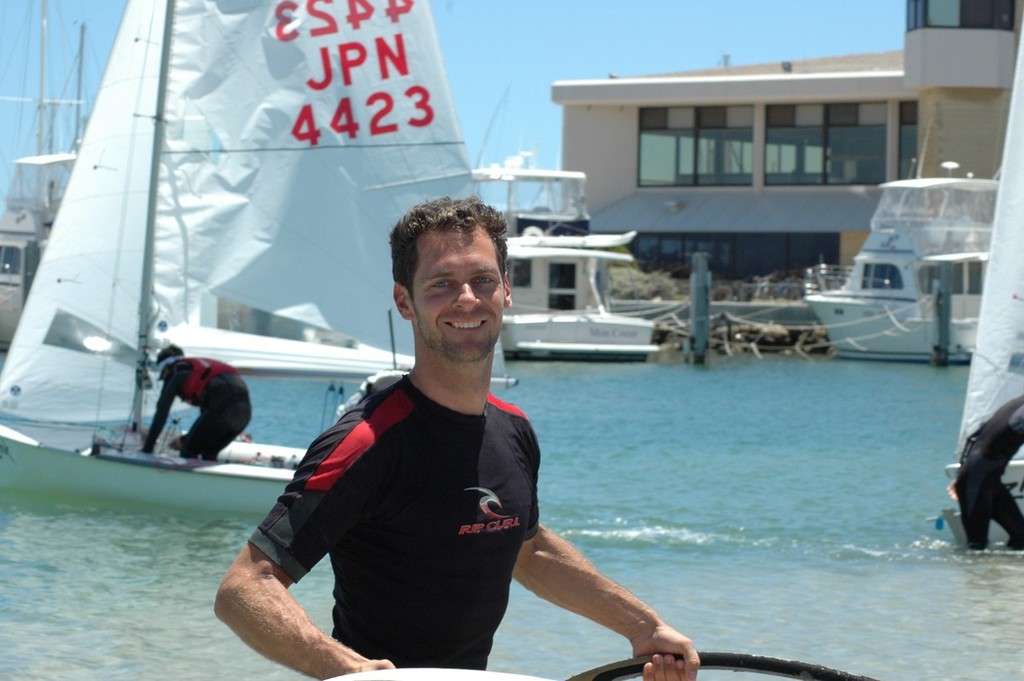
(824, 277)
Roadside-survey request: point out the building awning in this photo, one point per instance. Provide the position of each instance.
(775, 209)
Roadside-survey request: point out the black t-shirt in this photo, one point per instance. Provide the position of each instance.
(423, 511)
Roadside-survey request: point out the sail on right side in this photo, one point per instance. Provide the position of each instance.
(997, 365)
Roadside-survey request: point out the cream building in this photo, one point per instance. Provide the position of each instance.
(776, 167)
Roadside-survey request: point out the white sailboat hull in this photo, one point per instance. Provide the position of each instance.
(1013, 479)
(577, 336)
(888, 330)
(134, 478)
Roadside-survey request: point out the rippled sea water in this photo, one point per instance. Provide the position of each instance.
(772, 506)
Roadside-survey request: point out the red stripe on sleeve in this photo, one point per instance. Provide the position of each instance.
(391, 411)
(505, 406)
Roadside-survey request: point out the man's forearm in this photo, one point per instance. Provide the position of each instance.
(258, 607)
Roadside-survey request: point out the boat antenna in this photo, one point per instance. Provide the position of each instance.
(490, 124)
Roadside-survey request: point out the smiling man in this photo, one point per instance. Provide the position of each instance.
(425, 495)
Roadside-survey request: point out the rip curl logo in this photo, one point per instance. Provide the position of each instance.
(490, 504)
(486, 500)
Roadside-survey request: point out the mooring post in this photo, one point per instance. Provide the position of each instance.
(700, 285)
(943, 314)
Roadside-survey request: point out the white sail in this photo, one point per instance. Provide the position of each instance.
(261, 201)
(997, 366)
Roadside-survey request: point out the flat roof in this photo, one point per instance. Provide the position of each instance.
(772, 210)
(877, 75)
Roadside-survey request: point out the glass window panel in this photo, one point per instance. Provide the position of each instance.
(739, 117)
(976, 14)
(807, 250)
(657, 159)
(908, 113)
(1004, 15)
(794, 156)
(681, 117)
(561, 301)
(810, 114)
(670, 249)
(882, 276)
(711, 117)
(908, 151)
(653, 119)
(856, 155)
(872, 114)
(10, 260)
(780, 115)
(686, 154)
(975, 277)
(645, 248)
(562, 275)
(944, 13)
(759, 254)
(725, 157)
(521, 274)
(915, 14)
(842, 114)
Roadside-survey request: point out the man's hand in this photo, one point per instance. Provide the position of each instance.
(673, 657)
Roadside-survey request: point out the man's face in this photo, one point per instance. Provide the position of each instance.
(458, 296)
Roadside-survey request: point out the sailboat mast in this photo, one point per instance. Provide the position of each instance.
(40, 131)
(145, 295)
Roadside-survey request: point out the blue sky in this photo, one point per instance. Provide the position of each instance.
(502, 56)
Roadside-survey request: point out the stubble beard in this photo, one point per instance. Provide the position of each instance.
(452, 352)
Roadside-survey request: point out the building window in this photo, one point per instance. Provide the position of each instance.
(996, 14)
(908, 140)
(735, 256)
(686, 146)
(794, 145)
(855, 143)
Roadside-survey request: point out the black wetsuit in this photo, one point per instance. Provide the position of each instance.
(982, 495)
(224, 410)
(423, 511)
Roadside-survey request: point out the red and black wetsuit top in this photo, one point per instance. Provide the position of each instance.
(203, 371)
(422, 511)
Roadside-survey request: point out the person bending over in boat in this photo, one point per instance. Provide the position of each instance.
(978, 487)
(214, 387)
(424, 496)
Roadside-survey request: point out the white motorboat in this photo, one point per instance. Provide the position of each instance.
(559, 271)
(226, 159)
(33, 199)
(997, 368)
(560, 301)
(888, 307)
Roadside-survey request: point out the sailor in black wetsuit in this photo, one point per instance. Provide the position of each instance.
(424, 497)
(978, 486)
(214, 387)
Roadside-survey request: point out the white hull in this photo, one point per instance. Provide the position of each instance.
(888, 329)
(570, 335)
(139, 479)
(1013, 478)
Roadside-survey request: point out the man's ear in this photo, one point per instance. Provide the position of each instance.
(508, 292)
(403, 301)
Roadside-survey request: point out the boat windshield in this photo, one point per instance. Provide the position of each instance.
(941, 218)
